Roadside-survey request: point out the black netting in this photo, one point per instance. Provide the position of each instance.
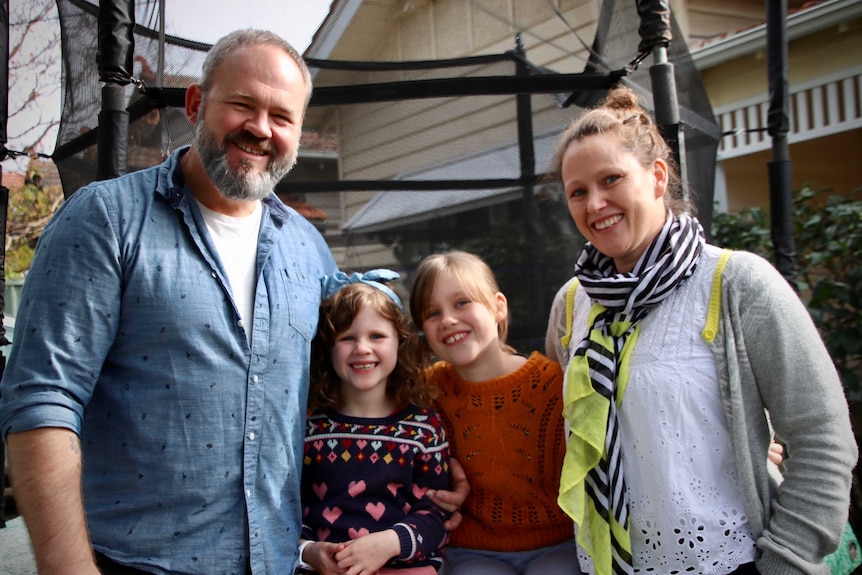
(401, 159)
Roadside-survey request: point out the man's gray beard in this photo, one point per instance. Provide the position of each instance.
(245, 183)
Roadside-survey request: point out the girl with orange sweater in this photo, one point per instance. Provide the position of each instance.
(503, 415)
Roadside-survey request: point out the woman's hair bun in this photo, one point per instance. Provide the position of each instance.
(623, 99)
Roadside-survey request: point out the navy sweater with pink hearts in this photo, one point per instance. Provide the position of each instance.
(362, 475)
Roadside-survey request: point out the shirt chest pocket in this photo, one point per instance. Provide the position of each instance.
(303, 301)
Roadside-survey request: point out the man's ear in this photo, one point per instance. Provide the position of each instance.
(194, 97)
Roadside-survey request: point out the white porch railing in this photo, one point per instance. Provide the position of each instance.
(820, 107)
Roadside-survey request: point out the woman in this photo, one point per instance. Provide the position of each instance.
(668, 382)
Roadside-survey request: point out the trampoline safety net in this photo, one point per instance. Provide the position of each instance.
(402, 159)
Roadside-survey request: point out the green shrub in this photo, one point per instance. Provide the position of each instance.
(828, 238)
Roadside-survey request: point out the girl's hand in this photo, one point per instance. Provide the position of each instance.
(454, 499)
(366, 555)
(320, 555)
(776, 453)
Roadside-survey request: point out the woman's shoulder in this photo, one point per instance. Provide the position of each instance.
(747, 270)
(750, 282)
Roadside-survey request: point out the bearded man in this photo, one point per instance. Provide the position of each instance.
(154, 400)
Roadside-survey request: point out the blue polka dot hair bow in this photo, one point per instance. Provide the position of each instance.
(374, 278)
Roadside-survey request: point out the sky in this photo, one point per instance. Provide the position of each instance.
(200, 20)
(294, 20)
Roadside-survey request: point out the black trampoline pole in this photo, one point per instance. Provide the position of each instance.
(114, 58)
(656, 36)
(4, 205)
(667, 110)
(4, 191)
(778, 125)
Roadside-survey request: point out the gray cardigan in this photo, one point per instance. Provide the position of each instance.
(771, 359)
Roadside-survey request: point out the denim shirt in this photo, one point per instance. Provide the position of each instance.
(128, 335)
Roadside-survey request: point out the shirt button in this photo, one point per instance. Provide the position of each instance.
(248, 492)
(251, 436)
(254, 378)
(213, 274)
(240, 323)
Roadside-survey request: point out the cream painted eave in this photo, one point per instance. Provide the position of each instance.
(333, 27)
(799, 24)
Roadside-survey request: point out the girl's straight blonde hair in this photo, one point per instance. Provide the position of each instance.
(474, 275)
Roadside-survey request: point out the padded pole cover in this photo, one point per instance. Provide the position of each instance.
(655, 27)
(116, 40)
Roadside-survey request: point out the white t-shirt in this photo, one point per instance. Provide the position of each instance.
(235, 240)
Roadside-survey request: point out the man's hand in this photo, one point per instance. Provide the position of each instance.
(454, 499)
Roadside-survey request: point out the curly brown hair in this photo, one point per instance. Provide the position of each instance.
(406, 384)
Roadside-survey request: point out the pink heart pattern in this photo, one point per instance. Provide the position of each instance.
(356, 487)
(360, 478)
(331, 514)
(357, 533)
(393, 488)
(319, 490)
(375, 510)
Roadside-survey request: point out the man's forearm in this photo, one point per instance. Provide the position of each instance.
(45, 468)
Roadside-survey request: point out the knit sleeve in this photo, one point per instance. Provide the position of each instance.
(421, 532)
(774, 338)
(305, 488)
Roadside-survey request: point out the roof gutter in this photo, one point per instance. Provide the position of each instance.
(801, 23)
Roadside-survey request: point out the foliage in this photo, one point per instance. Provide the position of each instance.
(748, 230)
(34, 89)
(828, 237)
(30, 208)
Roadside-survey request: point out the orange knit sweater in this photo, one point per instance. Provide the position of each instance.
(507, 433)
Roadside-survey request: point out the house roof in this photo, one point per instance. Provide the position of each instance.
(315, 143)
(13, 181)
(394, 209)
(812, 17)
(47, 170)
(306, 210)
(328, 34)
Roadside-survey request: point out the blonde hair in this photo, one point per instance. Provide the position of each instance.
(406, 384)
(474, 275)
(621, 114)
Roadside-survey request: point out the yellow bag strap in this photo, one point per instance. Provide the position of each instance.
(570, 310)
(711, 328)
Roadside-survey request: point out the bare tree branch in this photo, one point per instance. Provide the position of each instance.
(34, 75)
